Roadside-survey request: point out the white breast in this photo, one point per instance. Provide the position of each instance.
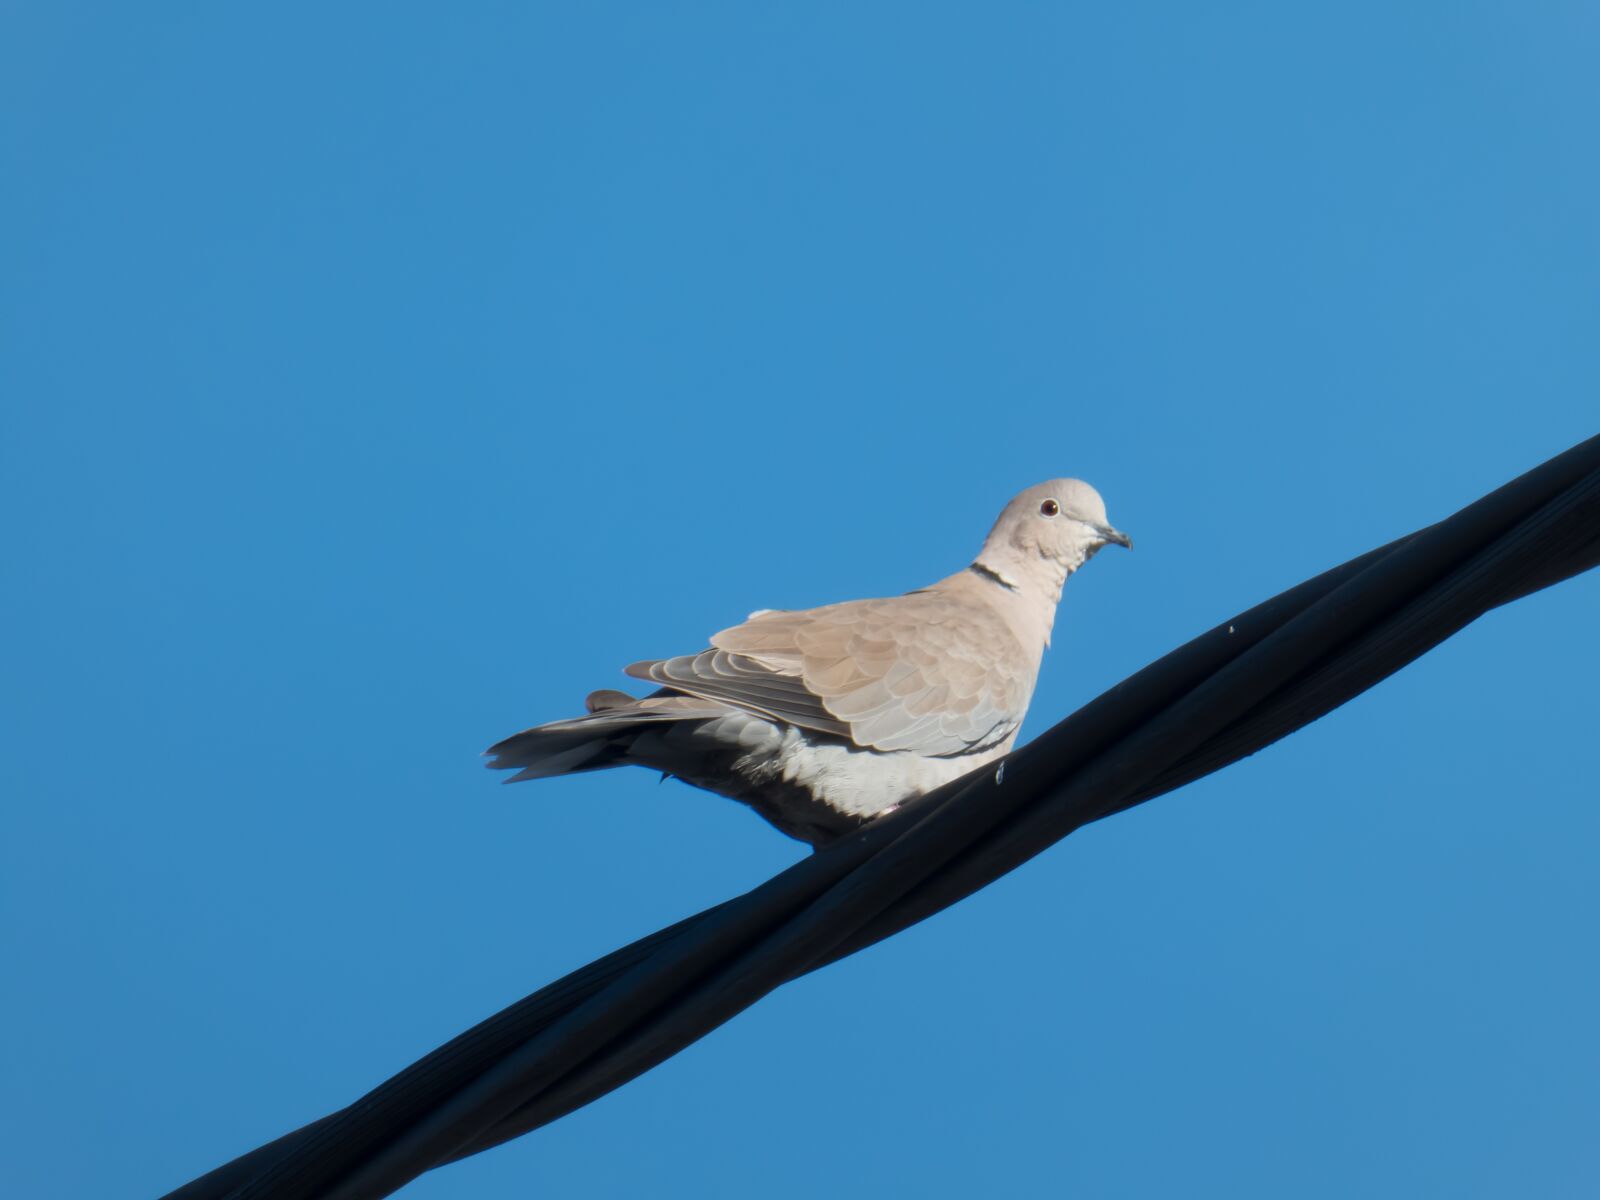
(860, 782)
(810, 786)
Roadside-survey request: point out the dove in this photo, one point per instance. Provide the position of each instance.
(820, 719)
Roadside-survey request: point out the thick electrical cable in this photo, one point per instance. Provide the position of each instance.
(1224, 695)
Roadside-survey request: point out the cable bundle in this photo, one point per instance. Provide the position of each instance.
(1250, 681)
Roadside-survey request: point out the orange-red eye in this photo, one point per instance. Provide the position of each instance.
(1049, 508)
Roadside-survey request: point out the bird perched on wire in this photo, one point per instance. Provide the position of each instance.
(822, 718)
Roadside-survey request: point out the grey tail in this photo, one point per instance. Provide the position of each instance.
(600, 738)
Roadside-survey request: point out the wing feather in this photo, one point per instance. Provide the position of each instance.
(927, 672)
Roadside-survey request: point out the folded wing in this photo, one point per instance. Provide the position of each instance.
(924, 672)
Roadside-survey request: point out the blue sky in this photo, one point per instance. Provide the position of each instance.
(378, 380)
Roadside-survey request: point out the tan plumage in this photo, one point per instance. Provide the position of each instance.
(935, 672)
(823, 717)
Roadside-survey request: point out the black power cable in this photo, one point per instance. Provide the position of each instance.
(1225, 695)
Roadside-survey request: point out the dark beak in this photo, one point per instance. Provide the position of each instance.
(1108, 534)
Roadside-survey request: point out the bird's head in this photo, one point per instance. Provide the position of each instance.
(1062, 521)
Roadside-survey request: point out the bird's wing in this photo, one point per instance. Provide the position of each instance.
(925, 672)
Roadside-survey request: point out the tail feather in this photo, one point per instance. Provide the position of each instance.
(542, 763)
(600, 738)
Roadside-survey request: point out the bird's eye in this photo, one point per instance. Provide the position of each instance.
(1049, 508)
